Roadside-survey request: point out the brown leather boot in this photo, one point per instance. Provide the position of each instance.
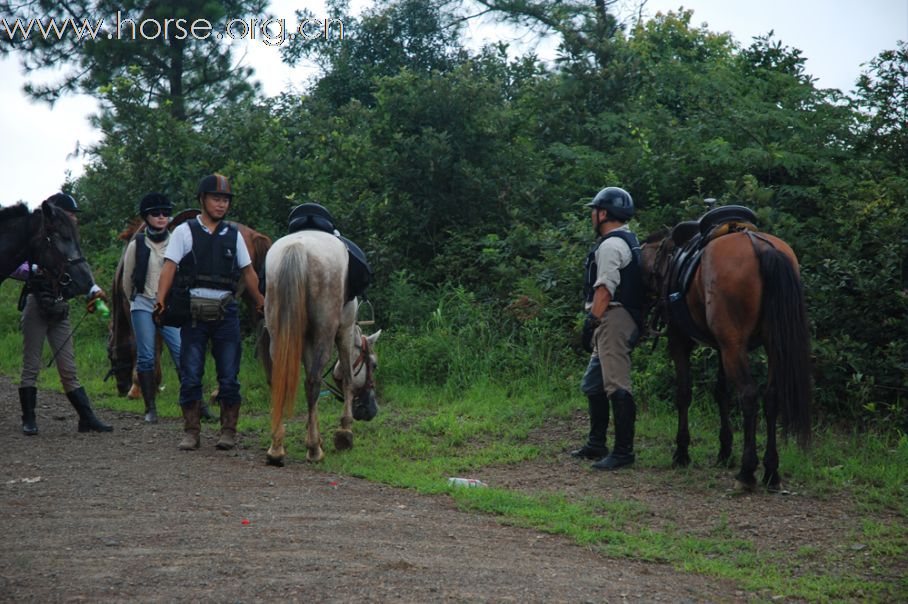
(229, 416)
(191, 426)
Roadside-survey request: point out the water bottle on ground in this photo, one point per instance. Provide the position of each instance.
(466, 482)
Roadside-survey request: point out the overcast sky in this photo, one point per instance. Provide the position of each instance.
(836, 36)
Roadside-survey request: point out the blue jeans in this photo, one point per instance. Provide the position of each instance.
(144, 328)
(224, 336)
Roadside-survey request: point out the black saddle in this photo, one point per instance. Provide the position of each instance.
(684, 231)
(312, 216)
(691, 238)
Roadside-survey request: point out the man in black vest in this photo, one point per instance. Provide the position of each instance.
(614, 291)
(211, 257)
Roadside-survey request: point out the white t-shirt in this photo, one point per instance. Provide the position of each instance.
(181, 244)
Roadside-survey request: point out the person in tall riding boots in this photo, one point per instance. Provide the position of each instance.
(142, 266)
(614, 303)
(209, 257)
(45, 315)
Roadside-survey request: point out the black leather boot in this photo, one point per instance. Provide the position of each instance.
(625, 416)
(149, 392)
(87, 420)
(28, 398)
(595, 445)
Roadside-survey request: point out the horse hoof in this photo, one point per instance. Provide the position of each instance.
(134, 393)
(315, 455)
(343, 440)
(680, 461)
(745, 486)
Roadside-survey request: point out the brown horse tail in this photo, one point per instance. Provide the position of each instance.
(787, 341)
(290, 321)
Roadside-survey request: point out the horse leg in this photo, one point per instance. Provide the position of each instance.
(721, 395)
(737, 369)
(313, 438)
(343, 436)
(771, 479)
(276, 451)
(680, 349)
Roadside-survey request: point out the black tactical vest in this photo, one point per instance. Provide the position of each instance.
(212, 261)
(630, 292)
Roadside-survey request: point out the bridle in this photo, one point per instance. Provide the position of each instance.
(364, 359)
(55, 272)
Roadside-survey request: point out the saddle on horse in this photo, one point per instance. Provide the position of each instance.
(314, 216)
(690, 239)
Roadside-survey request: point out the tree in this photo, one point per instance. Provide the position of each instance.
(408, 34)
(184, 69)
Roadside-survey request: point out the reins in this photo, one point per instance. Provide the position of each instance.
(361, 361)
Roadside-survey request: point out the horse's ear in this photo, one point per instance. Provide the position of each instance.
(47, 210)
(373, 338)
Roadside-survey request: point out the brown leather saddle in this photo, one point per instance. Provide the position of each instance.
(690, 239)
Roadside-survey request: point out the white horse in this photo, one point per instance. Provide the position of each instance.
(306, 315)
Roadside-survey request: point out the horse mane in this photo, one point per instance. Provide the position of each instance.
(134, 225)
(16, 211)
(658, 235)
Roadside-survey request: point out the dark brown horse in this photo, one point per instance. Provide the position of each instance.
(746, 292)
(46, 237)
(121, 345)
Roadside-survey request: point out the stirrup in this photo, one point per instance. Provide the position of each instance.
(370, 320)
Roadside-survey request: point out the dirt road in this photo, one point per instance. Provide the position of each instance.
(126, 516)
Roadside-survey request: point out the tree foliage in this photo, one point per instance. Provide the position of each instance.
(465, 171)
(168, 65)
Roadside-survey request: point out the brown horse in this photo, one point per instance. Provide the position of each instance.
(746, 292)
(121, 345)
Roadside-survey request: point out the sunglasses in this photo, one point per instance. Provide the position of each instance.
(158, 213)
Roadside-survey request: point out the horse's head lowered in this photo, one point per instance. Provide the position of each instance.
(55, 248)
(656, 254)
(365, 406)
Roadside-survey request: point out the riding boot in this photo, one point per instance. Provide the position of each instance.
(625, 415)
(149, 391)
(595, 447)
(192, 427)
(229, 416)
(28, 399)
(87, 420)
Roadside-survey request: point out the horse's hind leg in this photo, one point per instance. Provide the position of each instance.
(723, 400)
(771, 479)
(314, 451)
(276, 451)
(737, 369)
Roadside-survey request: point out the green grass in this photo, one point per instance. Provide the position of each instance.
(456, 423)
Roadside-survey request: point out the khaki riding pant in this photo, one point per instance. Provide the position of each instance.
(34, 331)
(609, 369)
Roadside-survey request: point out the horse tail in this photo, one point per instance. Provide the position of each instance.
(787, 341)
(291, 319)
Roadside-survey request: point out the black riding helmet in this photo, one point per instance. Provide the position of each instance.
(154, 201)
(616, 200)
(214, 183)
(65, 202)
